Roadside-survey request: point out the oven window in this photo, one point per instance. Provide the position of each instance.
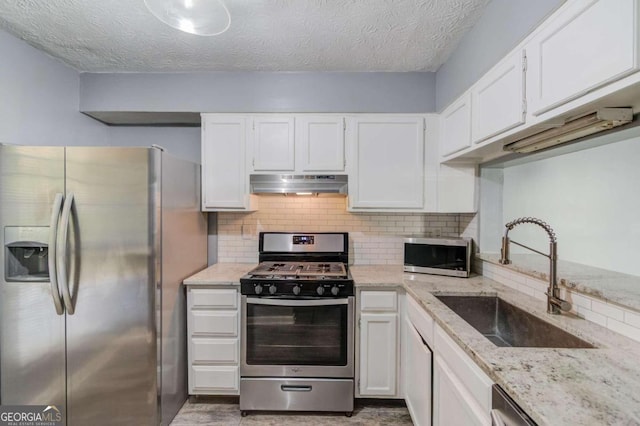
(285, 335)
(436, 256)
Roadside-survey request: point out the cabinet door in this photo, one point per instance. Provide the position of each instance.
(457, 189)
(320, 143)
(452, 405)
(587, 44)
(389, 163)
(378, 354)
(224, 180)
(497, 99)
(417, 377)
(273, 139)
(456, 126)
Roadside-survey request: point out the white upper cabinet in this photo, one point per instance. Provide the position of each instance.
(497, 99)
(456, 126)
(457, 188)
(320, 143)
(388, 169)
(586, 45)
(224, 177)
(273, 143)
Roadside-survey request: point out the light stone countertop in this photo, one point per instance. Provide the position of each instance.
(220, 274)
(622, 289)
(554, 386)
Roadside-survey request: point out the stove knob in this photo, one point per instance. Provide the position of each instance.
(320, 290)
(335, 290)
(296, 290)
(258, 289)
(273, 289)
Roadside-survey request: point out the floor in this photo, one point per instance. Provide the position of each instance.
(226, 412)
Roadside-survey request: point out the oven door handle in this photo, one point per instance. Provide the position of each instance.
(292, 302)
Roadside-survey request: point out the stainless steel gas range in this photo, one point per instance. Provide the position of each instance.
(298, 325)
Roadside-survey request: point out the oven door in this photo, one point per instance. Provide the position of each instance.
(284, 337)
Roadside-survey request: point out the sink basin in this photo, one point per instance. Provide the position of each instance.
(506, 325)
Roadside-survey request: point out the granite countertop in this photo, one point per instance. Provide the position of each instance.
(612, 286)
(220, 274)
(554, 386)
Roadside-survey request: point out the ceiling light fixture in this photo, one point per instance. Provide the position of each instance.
(199, 17)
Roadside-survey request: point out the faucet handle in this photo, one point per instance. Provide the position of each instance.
(556, 301)
(504, 252)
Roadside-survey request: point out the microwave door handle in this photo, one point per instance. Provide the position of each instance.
(53, 236)
(63, 278)
(291, 302)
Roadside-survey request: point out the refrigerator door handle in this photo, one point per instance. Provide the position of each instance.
(53, 236)
(61, 259)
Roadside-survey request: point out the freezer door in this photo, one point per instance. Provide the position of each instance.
(32, 350)
(112, 265)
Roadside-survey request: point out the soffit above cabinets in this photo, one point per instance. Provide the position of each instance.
(265, 35)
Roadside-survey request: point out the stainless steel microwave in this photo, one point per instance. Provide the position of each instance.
(438, 256)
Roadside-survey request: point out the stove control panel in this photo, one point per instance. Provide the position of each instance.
(303, 239)
(292, 288)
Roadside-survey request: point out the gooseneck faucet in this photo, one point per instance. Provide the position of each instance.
(554, 303)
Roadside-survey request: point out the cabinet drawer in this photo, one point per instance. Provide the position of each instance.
(475, 380)
(214, 323)
(379, 301)
(420, 320)
(213, 298)
(215, 379)
(218, 351)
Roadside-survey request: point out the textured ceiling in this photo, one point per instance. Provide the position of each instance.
(265, 35)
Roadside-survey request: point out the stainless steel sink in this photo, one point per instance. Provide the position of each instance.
(506, 325)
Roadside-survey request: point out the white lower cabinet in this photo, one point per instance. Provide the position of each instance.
(417, 377)
(378, 344)
(460, 392)
(213, 326)
(452, 405)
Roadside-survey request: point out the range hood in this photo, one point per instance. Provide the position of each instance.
(601, 120)
(298, 184)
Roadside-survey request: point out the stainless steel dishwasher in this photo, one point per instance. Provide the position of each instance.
(505, 412)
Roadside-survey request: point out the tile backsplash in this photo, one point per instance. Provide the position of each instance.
(375, 238)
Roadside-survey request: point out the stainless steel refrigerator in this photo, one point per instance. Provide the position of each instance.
(96, 242)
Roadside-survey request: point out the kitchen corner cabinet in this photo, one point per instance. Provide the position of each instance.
(457, 188)
(225, 185)
(588, 44)
(497, 99)
(388, 169)
(456, 126)
(377, 374)
(213, 324)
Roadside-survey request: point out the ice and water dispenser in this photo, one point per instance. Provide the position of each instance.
(26, 253)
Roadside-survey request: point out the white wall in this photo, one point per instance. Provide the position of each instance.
(591, 198)
(39, 100)
(182, 142)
